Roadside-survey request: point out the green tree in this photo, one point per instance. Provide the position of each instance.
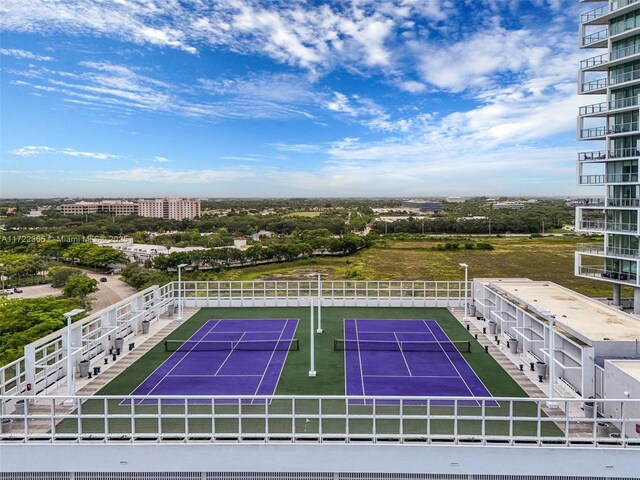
(59, 276)
(80, 287)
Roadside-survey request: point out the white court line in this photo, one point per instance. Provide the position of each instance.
(179, 361)
(297, 321)
(402, 353)
(355, 322)
(393, 331)
(198, 375)
(450, 361)
(412, 376)
(249, 331)
(230, 352)
(275, 347)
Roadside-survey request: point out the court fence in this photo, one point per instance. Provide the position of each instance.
(291, 419)
(43, 367)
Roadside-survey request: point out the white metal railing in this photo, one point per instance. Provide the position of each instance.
(623, 202)
(601, 272)
(45, 363)
(605, 9)
(321, 419)
(599, 249)
(614, 79)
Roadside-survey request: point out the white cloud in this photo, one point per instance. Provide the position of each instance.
(31, 150)
(17, 53)
(161, 159)
(169, 176)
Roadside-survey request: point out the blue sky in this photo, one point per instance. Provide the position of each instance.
(289, 98)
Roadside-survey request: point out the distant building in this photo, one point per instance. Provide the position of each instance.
(140, 252)
(423, 205)
(455, 199)
(113, 207)
(169, 208)
(240, 243)
(507, 205)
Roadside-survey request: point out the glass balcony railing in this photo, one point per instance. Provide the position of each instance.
(622, 128)
(592, 179)
(621, 27)
(611, 178)
(592, 156)
(612, 31)
(595, 37)
(593, 132)
(594, 248)
(594, 202)
(624, 153)
(621, 227)
(599, 12)
(623, 252)
(595, 108)
(593, 225)
(595, 85)
(601, 272)
(610, 57)
(623, 202)
(611, 81)
(623, 102)
(593, 14)
(602, 226)
(600, 249)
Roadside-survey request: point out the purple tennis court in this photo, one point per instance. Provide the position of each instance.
(406, 358)
(225, 357)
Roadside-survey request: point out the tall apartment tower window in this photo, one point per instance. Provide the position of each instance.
(612, 77)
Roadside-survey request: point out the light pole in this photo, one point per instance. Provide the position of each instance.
(180, 267)
(319, 330)
(466, 290)
(312, 366)
(70, 372)
(552, 358)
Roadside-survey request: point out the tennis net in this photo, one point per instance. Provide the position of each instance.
(402, 345)
(228, 345)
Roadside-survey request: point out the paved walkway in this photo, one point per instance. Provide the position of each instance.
(528, 380)
(84, 386)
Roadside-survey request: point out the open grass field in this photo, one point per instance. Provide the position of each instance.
(539, 258)
(295, 381)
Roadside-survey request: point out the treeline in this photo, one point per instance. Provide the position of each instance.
(308, 244)
(459, 219)
(23, 321)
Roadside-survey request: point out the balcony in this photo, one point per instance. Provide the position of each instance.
(592, 225)
(600, 85)
(622, 128)
(596, 15)
(590, 133)
(594, 109)
(596, 39)
(593, 156)
(611, 178)
(602, 226)
(600, 250)
(623, 202)
(602, 62)
(621, 153)
(603, 274)
(621, 227)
